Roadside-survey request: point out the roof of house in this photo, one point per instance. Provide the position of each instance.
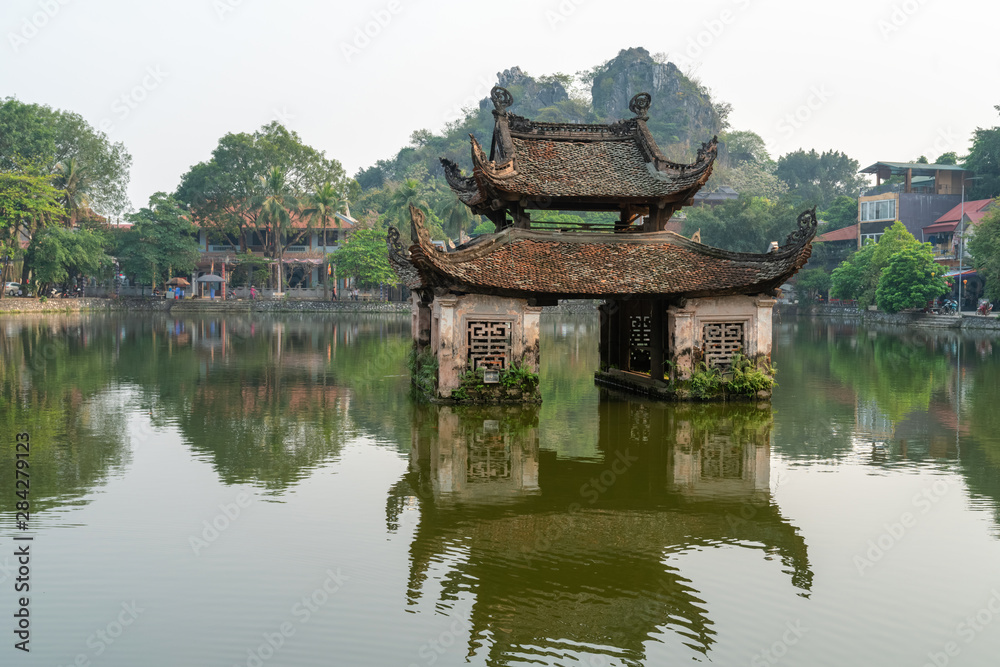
(561, 163)
(522, 263)
(974, 211)
(301, 221)
(918, 168)
(849, 233)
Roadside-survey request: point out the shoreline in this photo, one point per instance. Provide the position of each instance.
(31, 306)
(966, 320)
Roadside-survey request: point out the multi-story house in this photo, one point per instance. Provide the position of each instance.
(303, 257)
(914, 193)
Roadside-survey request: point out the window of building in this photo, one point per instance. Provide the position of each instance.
(720, 341)
(882, 209)
(489, 344)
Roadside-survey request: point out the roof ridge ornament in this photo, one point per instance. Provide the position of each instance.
(806, 228)
(501, 98)
(639, 105)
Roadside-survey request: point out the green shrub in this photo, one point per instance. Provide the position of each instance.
(748, 378)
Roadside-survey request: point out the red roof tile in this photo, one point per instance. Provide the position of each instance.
(974, 210)
(844, 234)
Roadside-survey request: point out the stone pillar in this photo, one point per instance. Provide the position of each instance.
(421, 321)
(760, 341)
(656, 340)
(530, 328)
(448, 341)
(683, 340)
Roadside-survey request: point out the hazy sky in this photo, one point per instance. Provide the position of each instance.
(877, 79)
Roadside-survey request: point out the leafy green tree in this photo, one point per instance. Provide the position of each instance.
(850, 279)
(747, 224)
(365, 257)
(951, 157)
(162, 241)
(819, 178)
(859, 275)
(27, 203)
(485, 227)
(46, 138)
(58, 254)
(812, 283)
(910, 280)
(984, 246)
(842, 212)
(221, 192)
(745, 146)
(984, 161)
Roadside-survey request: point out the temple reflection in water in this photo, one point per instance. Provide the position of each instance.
(562, 555)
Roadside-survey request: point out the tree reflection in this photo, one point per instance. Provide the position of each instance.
(566, 554)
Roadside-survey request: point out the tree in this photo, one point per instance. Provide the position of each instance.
(28, 202)
(324, 204)
(73, 180)
(406, 194)
(365, 257)
(910, 280)
(984, 161)
(46, 138)
(984, 245)
(221, 192)
(745, 146)
(859, 275)
(276, 203)
(812, 283)
(819, 178)
(57, 254)
(161, 241)
(842, 212)
(951, 157)
(850, 280)
(747, 224)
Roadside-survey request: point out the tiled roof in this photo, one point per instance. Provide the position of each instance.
(575, 162)
(849, 233)
(589, 168)
(524, 263)
(974, 211)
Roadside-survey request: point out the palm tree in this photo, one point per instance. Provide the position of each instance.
(72, 178)
(457, 216)
(276, 203)
(324, 204)
(408, 193)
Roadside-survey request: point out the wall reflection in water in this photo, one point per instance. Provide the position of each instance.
(573, 556)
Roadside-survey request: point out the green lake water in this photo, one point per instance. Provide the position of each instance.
(265, 491)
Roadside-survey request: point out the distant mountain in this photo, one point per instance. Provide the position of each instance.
(681, 117)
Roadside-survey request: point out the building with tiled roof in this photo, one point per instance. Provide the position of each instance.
(671, 304)
(581, 167)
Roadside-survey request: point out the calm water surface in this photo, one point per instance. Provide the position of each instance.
(264, 491)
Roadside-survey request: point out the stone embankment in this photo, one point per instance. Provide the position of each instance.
(966, 320)
(32, 305)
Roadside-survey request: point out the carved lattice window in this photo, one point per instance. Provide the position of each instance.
(489, 458)
(722, 340)
(639, 334)
(489, 344)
